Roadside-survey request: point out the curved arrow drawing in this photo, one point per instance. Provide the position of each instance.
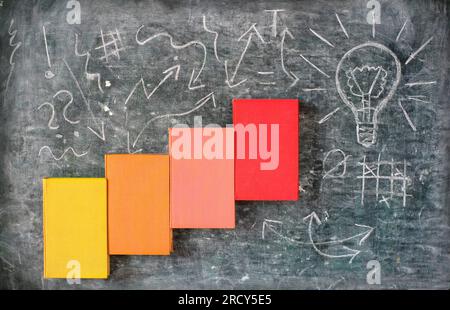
(250, 32)
(197, 105)
(290, 74)
(270, 225)
(176, 46)
(313, 217)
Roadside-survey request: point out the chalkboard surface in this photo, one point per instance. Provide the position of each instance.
(79, 79)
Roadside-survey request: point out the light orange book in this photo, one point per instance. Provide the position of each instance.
(202, 178)
(138, 204)
(75, 228)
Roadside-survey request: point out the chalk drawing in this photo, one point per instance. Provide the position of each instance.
(112, 46)
(249, 34)
(197, 105)
(69, 149)
(216, 36)
(406, 116)
(371, 171)
(69, 94)
(401, 31)
(274, 20)
(178, 47)
(16, 45)
(52, 117)
(341, 164)
(100, 131)
(328, 116)
(420, 83)
(351, 253)
(275, 226)
(321, 38)
(89, 76)
(369, 84)
(172, 71)
(290, 74)
(342, 26)
(414, 54)
(314, 66)
(48, 74)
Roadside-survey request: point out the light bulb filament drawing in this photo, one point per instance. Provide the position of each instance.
(366, 89)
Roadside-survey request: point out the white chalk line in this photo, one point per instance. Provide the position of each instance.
(46, 147)
(314, 66)
(407, 116)
(327, 117)
(342, 26)
(413, 55)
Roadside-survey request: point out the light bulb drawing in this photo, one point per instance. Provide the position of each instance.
(367, 77)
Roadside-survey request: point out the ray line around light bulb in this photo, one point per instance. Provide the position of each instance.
(321, 37)
(373, 24)
(342, 26)
(314, 66)
(407, 116)
(313, 89)
(418, 99)
(327, 117)
(418, 51)
(420, 83)
(417, 96)
(400, 32)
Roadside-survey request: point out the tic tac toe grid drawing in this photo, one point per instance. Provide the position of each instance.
(390, 179)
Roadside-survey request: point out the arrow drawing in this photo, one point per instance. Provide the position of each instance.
(175, 70)
(271, 225)
(100, 132)
(175, 46)
(274, 226)
(290, 74)
(197, 106)
(249, 33)
(353, 253)
(128, 145)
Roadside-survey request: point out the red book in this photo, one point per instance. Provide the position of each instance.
(266, 149)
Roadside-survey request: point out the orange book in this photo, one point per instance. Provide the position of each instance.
(138, 204)
(202, 178)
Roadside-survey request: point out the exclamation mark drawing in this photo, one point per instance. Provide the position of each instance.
(48, 74)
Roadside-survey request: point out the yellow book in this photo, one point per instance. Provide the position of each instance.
(75, 228)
